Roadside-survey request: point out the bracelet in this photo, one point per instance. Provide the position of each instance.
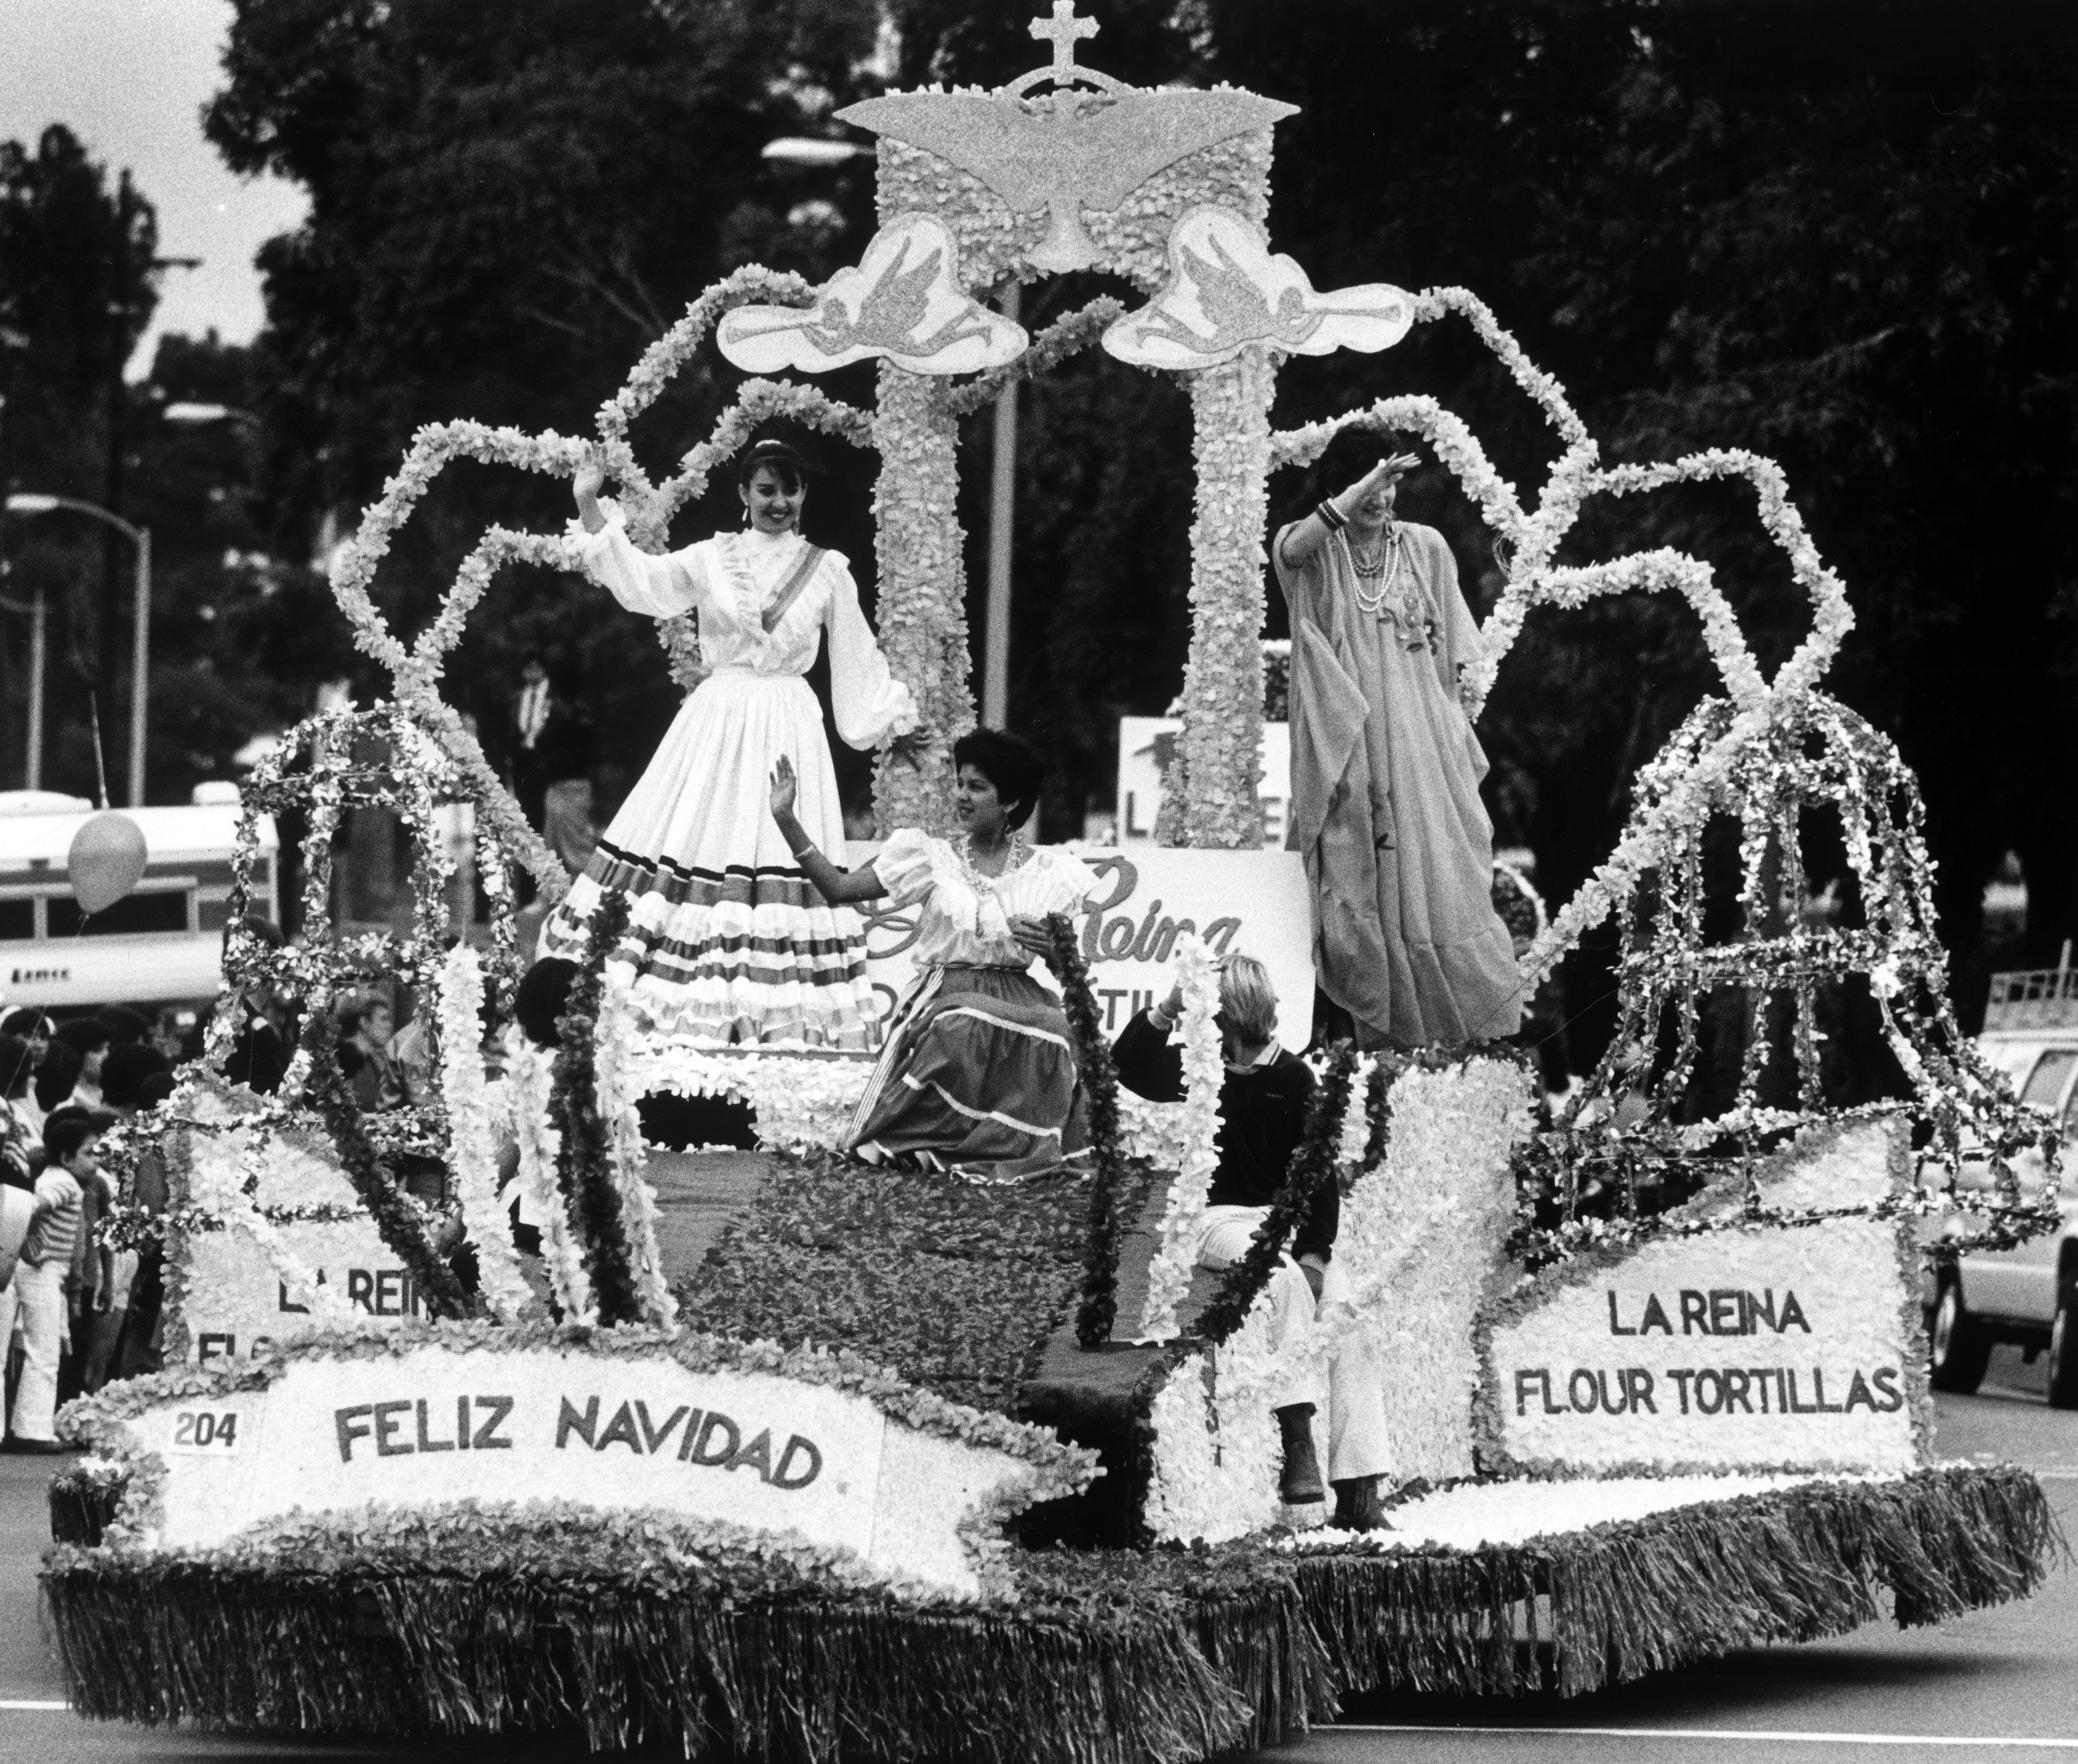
(1335, 519)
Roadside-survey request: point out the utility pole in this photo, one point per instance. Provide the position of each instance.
(1002, 512)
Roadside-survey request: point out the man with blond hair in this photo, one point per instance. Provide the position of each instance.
(1262, 1117)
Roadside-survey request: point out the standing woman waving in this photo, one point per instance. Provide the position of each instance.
(1386, 771)
(730, 941)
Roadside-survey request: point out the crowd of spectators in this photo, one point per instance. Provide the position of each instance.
(66, 1300)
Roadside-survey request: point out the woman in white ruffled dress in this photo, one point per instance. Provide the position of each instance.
(729, 940)
(979, 1076)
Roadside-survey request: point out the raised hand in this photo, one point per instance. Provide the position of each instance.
(590, 479)
(784, 788)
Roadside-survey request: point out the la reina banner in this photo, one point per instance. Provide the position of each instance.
(1733, 1349)
(427, 1427)
(234, 1304)
(1251, 903)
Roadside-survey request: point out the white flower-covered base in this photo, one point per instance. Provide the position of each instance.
(1506, 1515)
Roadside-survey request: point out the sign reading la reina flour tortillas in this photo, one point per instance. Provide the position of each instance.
(1737, 1348)
(426, 1426)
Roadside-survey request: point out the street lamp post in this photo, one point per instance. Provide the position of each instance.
(35, 502)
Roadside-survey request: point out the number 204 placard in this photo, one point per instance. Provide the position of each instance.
(205, 1430)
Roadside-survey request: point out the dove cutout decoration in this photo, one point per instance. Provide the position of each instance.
(1227, 289)
(904, 302)
(1068, 153)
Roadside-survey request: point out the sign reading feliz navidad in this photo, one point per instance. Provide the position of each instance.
(427, 1425)
(1736, 1349)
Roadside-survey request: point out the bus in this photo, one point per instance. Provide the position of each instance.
(160, 944)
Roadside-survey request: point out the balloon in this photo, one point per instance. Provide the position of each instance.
(106, 859)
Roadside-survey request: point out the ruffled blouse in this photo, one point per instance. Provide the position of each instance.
(730, 580)
(965, 917)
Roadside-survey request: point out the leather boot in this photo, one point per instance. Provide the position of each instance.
(1300, 1484)
(1358, 1505)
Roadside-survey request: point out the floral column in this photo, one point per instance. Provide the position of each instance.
(922, 613)
(1210, 798)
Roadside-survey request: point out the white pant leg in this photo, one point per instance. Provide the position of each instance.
(1357, 1444)
(42, 1304)
(1227, 1232)
(10, 1305)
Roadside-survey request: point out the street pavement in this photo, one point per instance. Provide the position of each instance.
(1998, 1684)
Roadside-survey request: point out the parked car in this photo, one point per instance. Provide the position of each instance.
(2029, 1295)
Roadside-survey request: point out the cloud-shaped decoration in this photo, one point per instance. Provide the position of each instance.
(904, 302)
(1226, 290)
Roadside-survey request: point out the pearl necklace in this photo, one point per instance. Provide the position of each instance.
(1384, 562)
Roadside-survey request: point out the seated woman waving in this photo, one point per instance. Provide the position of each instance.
(977, 1076)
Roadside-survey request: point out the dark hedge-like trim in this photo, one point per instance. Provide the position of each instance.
(1311, 1165)
(1107, 1657)
(583, 1167)
(1692, 1583)
(1099, 1307)
(396, 1218)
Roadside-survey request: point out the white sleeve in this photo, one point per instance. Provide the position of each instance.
(870, 703)
(659, 587)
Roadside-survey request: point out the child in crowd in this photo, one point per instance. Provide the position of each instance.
(71, 1139)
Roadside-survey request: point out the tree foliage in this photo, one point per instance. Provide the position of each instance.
(78, 256)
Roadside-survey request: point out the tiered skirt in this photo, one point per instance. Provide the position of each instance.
(729, 940)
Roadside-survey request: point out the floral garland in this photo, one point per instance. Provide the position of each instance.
(397, 1217)
(471, 1157)
(1769, 764)
(1098, 1309)
(628, 1157)
(1313, 1164)
(1067, 335)
(530, 1085)
(1204, 1072)
(800, 1102)
(584, 1154)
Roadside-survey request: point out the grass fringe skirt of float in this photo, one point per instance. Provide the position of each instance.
(1115, 1656)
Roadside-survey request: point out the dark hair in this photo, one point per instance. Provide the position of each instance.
(70, 1128)
(784, 461)
(1350, 454)
(124, 1071)
(123, 1023)
(83, 1033)
(1009, 762)
(353, 1014)
(543, 995)
(16, 1067)
(56, 1074)
(26, 1021)
(155, 1090)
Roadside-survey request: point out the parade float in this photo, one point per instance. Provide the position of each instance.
(903, 1466)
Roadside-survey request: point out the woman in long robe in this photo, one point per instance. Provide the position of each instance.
(1385, 775)
(729, 940)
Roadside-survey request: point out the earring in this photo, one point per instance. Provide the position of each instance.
(746, 514)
